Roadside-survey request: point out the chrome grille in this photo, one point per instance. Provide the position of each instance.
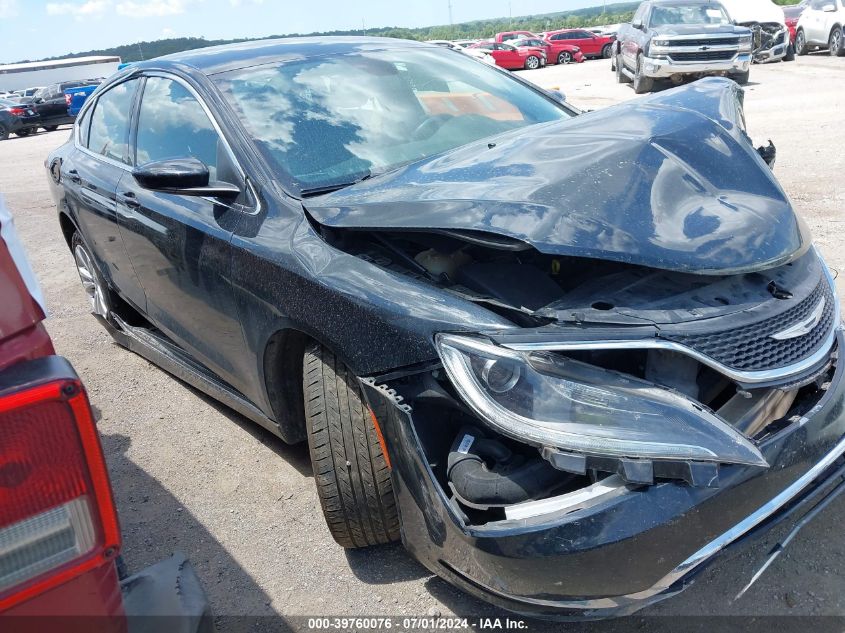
(751, 348)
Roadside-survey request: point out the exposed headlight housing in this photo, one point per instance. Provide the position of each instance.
(549, 401)
(745, 43)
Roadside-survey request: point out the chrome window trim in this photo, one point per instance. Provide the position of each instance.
(166, 75)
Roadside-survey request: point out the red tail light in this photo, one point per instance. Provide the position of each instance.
(17, 111)
(67, 99)
(57, 516)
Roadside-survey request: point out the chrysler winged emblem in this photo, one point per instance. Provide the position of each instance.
(804, 327)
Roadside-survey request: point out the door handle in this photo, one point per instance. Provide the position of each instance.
(128, 198)
(74, 176)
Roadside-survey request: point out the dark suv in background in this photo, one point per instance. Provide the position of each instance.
(51, 104)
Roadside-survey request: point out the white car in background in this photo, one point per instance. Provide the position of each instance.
(768, 24)
(821, 27)
(477, 53)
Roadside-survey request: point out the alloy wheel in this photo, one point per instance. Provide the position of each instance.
(90, 281)
(564, 58)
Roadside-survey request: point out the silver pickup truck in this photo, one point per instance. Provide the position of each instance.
(676, 39)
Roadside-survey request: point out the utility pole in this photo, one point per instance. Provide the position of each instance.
(451, 22)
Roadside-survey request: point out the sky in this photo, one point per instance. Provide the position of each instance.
(32, 29)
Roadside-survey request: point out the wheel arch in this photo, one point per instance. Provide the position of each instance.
(68, 226)
(282, 372)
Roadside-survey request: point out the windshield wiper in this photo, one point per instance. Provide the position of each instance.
(316, 191)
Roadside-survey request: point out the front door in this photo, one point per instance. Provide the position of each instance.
(180, 246)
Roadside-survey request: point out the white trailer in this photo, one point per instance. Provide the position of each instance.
(36, 74)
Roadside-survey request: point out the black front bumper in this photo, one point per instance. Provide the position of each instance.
(618, 556)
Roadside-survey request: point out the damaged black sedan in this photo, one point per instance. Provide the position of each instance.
(567, 358)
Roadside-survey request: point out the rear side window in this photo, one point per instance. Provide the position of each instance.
(84, 125)
(109, 127)
(173, 124)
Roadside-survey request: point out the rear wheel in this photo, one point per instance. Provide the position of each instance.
(801, 43)
(51, 128)
(92, 282)
(25, 132)
(4, 132)
(621, 77)
(836, 43)
(350, 465)
(642, 84)
(532, 62)
(565, 57)
(607, 51)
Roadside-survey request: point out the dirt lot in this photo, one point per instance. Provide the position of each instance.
(193, 476)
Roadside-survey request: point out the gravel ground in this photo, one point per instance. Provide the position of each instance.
(191, 475)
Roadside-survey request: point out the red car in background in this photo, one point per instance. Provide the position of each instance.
(506, 36)
(556, 52)
(59, 533)
(591, 45)
(514, 58)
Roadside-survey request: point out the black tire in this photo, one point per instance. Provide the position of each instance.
(4, 132)
(836, 43)
(607, 51)
(642, 84)
(790, 54)
(532, 62)
(25, 132)
(621, 77)
(51, 128)
(565, 57)
(350, 468)
(801, 43)
(741, 78)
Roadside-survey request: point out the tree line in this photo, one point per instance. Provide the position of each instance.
(476, 29)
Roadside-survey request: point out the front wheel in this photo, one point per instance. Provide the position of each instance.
(4, 132)
(801, 43)
(25, 132)
(607, 51)
(836, 43)
(348, 454)
(92, 281)
(51, 128)
(741, 78)
(565, 57)
(532, 62)
(642, 84)
(790, 54)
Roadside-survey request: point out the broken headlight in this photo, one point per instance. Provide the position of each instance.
(745, 43)
(547, 400)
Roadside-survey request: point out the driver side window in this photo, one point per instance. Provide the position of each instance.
(173, 124)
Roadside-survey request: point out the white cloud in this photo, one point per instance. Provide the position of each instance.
(8, 8)
(151, 8)
(88, 9)
(168, 32)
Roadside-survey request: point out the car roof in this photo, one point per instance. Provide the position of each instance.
(216, 59)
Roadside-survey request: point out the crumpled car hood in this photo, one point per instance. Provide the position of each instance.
(669, 182)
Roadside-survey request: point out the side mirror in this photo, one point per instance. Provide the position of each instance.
(638, 25)
(183, 176)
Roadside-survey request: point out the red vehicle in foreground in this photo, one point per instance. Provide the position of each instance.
(59, 533)
(591, 45)
(556, 52)
(514, 58)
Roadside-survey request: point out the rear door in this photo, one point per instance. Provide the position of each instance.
(586, 41)
(180, 246)
(813, 20)
(90, 176)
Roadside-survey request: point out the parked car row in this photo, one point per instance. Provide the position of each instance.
(24, 111)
